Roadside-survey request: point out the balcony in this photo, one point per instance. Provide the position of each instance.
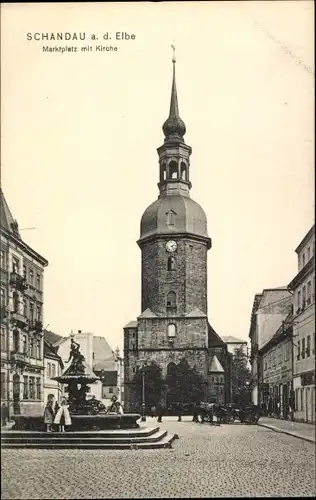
(18, 318)
(18, 282)
(35, 326)
(18, 357)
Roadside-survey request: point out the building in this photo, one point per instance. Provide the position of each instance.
(53, 366)
(174, 241)
(234, 344)
(270, 309)
(22, 300)
(100, 358)
(303, 289)
(276, 376)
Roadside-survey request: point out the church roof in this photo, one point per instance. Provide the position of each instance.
(148, 314)
(196, 313)
(6, 218)
(213, 338)
(215, 366)
(131, 324)
(174, 128)
(189, 217)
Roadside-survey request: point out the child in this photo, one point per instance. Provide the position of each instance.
(62, 417)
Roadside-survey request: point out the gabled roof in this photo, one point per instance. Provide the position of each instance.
(50, 352)
(196, 313)
(6, 219)
(52, 337)
(131, 324)
(233, 340)
(147, 314)
(215, 366)
(213, 337)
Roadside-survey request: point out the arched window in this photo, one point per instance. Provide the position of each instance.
(172, 330)
(171, 369)
(163, 173)
(183, 171)
(173, 170)
(171, 300)
(171, 266)
(16, 340)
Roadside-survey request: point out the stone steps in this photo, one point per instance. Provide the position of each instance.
(117, 433)
(149, 439)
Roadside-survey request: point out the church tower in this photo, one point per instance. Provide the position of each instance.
(174, 242)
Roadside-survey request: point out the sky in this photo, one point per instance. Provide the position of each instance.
(80, 132)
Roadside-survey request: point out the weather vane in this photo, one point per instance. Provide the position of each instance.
(174, 52)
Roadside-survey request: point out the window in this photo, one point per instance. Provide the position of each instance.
(308, 253)
(183, 171)
(24, 271)
(16, 340)
(308, 346)
(171, 299)
(49, 372)
(303, 260)
(31, 343)
(280, 357)
(173, 170)
(16, 302)
(298, 300)
(38, 281)
(24, 307)
(302, 399)
(309, 292)
(38, 349)
(53, 370)
(24, 344)
(31, 311)
(304, 297)
(3, 297)
(3, 339)
(171, 266)
(32, 388)
(25, 387)
(38, 313)
(111, 390)
(172, 330)
(38, 388)
(3, 391)
(15, 265)
(265, 363)
(2, 259)
(298, 349)
(303, 349)
(31, 276)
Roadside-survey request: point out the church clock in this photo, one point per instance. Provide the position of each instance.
(171, 246)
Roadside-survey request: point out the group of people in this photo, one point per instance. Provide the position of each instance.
(55, 414)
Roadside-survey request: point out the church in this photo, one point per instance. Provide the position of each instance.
(173, 325)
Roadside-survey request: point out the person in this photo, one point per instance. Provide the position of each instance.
(159, 412)
(116, 406)
(49, 412)
(196, 408)
(153, 411)
(179, 411)
(4, 414)
(63, 417)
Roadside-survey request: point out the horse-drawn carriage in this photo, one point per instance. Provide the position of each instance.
(227, 414)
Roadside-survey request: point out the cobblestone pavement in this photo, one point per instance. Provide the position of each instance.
(207, 461)
(298, 428)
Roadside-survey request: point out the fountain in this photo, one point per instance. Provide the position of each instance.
(92, 425)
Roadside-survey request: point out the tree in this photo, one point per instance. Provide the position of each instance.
(241, 377)
(154, 384)
(185, 384)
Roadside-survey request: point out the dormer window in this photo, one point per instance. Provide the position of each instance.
(170, 218)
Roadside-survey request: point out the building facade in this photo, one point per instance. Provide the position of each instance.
(303, 288)
(53, 367)
(173, 324)
(22, 300)
(270, 309)
(234, 344)
(275, 379)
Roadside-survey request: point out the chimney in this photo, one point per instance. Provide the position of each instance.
(79, 331)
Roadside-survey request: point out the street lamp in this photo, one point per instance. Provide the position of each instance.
(143, 364)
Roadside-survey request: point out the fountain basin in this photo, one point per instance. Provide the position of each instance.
(81, 422)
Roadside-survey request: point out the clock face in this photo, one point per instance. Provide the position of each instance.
(171, 246)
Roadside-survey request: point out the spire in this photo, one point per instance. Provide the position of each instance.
(174, 128)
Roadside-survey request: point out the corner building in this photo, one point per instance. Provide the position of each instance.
(174, 242)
